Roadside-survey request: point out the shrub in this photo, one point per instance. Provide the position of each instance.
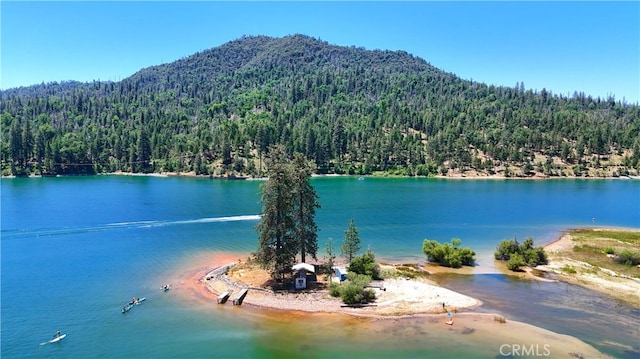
(609, 250)
(369, 295)
(518, 255)
(362, 280)
(448, 254)
(505, 249)
(629, 257)
(353, 291)
(535, 256)
(515, 261)
(366, 265)
(334, 289)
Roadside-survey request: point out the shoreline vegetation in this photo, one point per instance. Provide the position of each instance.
(580, 257)
(453, 176)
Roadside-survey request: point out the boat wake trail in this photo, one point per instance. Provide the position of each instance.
(39, 232)
(143, 224)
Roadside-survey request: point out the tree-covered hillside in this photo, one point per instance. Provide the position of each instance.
(349, 109)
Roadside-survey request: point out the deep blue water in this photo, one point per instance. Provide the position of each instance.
(75, 249)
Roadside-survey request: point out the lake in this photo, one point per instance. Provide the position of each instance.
(75, 249)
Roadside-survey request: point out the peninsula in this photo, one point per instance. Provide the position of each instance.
(398, 299)
(587, 257)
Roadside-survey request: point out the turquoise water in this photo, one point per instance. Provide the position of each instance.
(75, 249)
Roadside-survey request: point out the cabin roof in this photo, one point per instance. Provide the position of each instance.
(305, 266)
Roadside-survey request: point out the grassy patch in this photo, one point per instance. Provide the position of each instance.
(402, 271)
(592, 246)
(631, 237)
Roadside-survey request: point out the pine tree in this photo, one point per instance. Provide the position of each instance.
(330, 255)
(351, 243)
(15, 146)
(27, 144)
(305, 202)
(276, 243)
(144, 152)
(288, 224)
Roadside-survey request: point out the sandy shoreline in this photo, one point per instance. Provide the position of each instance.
(602, 281)
(452, 176)
(404, 301)
(398, 298)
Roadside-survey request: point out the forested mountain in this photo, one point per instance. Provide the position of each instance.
(349, 109)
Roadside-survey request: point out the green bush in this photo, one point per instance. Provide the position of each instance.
(362, 280)
(365, 264)
(609, 250)
(505, 249)
(334, 289)
(448, 254)
(369, 295)
(515, 261)
(351, 293)
(629, 257)
(520, 254)
(353, 290)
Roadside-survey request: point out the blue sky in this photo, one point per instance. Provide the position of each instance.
(590, 47)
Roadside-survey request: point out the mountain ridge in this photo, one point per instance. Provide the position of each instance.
(351, 110)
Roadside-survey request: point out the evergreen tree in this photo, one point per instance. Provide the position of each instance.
(27, 144)
(288, 223)
(144, 152)
(277, 246)
(351, 243)
(305, 202)
(15, 147)
(330, 254)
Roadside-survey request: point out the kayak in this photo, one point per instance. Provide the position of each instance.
(130, 305)
(166, 287)
(137, 301)
(57, 339)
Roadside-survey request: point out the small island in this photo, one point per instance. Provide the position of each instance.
(404, 291)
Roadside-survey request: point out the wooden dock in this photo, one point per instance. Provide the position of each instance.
(222, 298)
(238, 299)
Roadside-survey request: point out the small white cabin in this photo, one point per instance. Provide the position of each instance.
(300, 276)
